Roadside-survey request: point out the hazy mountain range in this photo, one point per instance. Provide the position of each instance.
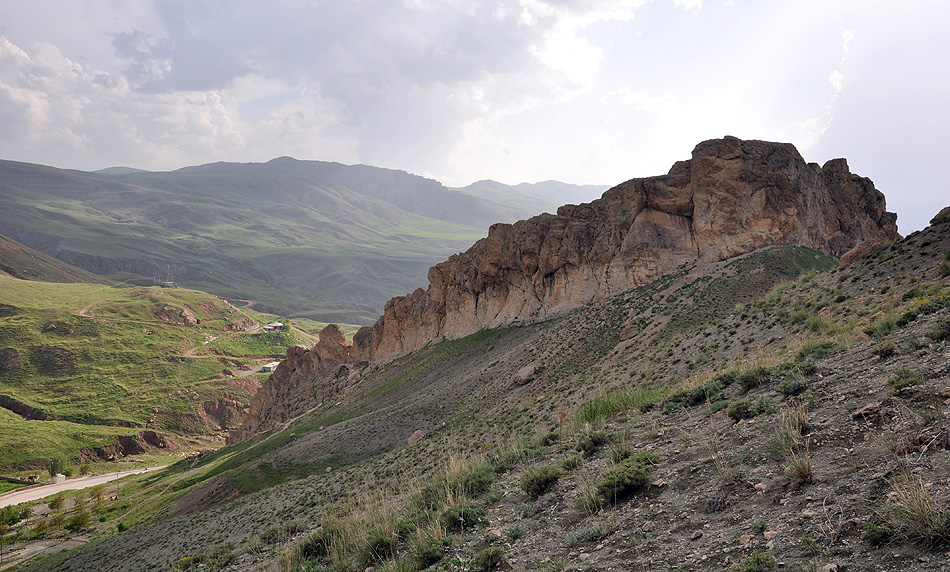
(303, 238)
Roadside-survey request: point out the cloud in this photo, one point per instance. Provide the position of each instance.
(640, 100)
(579, 90)
(88, 114)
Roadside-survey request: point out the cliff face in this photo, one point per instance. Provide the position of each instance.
(730, 198)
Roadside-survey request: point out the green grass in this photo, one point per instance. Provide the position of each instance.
(119, 365)
(619, 400)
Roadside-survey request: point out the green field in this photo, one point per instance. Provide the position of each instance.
(87, 363)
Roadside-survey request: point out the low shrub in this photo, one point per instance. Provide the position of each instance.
(536, 481)
(756, 562)
(740, 409)
(458, 518)
(904, 377)
(489, 559)
(940, 331)
(791, 386)
(590, 442)
(628, 476)
(813, 350)
(885, 350)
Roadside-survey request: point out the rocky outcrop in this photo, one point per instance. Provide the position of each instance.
(731, 198)
(304, 378)
(941, 216)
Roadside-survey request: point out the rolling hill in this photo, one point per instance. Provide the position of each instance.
(304, 238)
(18, 261)
(86, 369)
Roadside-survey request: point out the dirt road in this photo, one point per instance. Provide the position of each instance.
(36, 493)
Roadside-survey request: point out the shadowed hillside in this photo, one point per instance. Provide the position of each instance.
(311, 239)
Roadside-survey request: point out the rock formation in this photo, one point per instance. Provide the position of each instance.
(730, 198)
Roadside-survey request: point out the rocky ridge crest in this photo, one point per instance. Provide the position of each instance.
(731, 198)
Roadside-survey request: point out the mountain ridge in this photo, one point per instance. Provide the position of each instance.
(309, 239)
(731, 198)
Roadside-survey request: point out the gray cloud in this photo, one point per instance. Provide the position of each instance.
(578, 90)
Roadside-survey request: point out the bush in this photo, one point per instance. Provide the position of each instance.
(711, 391)
(457, 518)
(57, 502)
(489, 559)
(904, 377)
(9, 515)
(885, 350)
(941, 331)
(740, 409)
(629, 476)
(590, 442)
(57, 465)
(538, 480)
(471, 481)
(753, 377)
(428, 552)
(756, 562)
(791, 386)
(78, 521)
(815, 350)
(122, 527)
(876, 533)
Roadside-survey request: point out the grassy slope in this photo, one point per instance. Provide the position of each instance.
(25, 263)
(626, 372)
(119, 363)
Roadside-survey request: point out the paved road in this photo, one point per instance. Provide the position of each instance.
(35, 493)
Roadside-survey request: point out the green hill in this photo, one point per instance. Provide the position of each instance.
(82, 364)
(303, 238)
(22, 262)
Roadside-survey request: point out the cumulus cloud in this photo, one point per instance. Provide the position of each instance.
(579, 90)
(80, 113)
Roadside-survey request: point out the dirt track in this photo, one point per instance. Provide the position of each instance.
(35, 493)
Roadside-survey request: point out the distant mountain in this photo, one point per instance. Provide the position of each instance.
(119, 171)
(533, 198)
(303, 238)
(562, 193)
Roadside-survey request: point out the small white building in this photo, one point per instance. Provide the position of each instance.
(274, 327)
(59, 478)
(270, 366)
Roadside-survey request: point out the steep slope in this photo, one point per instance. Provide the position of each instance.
(23, 262)
(322, 240)
(791, 424)
(731, 198)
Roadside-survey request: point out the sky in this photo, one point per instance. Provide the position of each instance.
(581, 91)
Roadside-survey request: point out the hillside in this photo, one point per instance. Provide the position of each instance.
(18, 261)
(303, 238)
(713, 418)
(86, 367)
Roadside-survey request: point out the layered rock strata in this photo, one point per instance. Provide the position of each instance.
(730, 198)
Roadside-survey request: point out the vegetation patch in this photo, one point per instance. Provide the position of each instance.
(628, 476)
